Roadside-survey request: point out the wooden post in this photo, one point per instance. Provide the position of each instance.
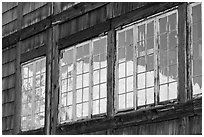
(17, 120)
(111, 58)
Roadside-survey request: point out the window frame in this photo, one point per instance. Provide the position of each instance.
(155, 18)
(22, 66)
(91, 70)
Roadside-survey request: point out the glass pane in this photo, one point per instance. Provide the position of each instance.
(163, 58)
(197, 67)
(43, 65)
(172, 73)
(62, 114)
(129, 37)
(121, 39)
(141, 32)
(197, 50)
(103, 90)
(25, 72)
(26, 109)
(25, 84)
(172, 57)
(129, 53)
(79, 52)
(69, 98)
(141, 65)
(141, 81)
(96, 62)
(103, 45)
(42, 79)
(129, 100)
(197, 35)
(64, 70)
(172, 19)
(85, 109)
(122, 101)
(150, 62)
(70, 84)
(150, 78)
(129, 84)
(163, 25)
(197, 85)
(38, 65)
(129, 66)
(103, 75)
(121, 54)
(141, 97)
(37, 82)
(103, 60)
(79, 67)
(86, 50)
(141, 47)
(69, 112)
(163, 42)
(30, 83)
(30, 70)
(96, 92)
(163, 95)
(64, 85)
(103, 103)
(96, 46)
(79, 81)
(79, 96)
(150, 95)
(121, 70)
(196, 12)
(95, 107)
(150, 43)
(70, 56)
(163, 75)
(85, 94)
(79, 110)
(150, 29)
(64, 99)
(96, 77)
(173, 90)
(70, 70)
(85, 79)
(38, 94)
(173, 40)
(121, 85)
(86, 65)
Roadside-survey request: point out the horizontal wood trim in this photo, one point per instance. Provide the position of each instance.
(146, 116)
(84, 35)
(41, 51)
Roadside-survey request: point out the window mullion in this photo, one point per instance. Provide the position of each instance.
(116, 96)
(90, 79)
(74, 84)
(33, 94)
(134, 66)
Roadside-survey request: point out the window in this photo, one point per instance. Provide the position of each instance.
(33, 94)
(147, 56)
(196, 47)
(83, 77)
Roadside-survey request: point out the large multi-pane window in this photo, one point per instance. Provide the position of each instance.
(83, 78)
(196, 47)
(33, 95)
(147, 62)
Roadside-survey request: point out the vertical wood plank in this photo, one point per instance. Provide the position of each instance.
(17, 123)
(111, 59)
(182, 26)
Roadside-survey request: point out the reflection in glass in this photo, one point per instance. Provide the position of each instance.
(163, 25)
(150, 29)
(129, 37)
(197, 85)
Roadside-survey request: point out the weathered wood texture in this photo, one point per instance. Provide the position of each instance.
(8, 89)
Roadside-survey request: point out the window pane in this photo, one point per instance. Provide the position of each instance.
(69, 98)
(79, 67)
(163, 75)
(85, 109)
(86, 94)
(129, 37)
(103, 103)
(43, 65)
(129, 66)
(79, 96)
(196, 13)
(129, 100)
(173, 90)
(96, 92)
(121, 54)
(30, 70)
(129, 52)
(64, 86)
(86, 49)
(121, 39)
(172, 73)
(150, 43)
(163, 58)
(163, 95)
(96, 77)
(163, 42)
(197, 67)
(173, 40)
(103, 45)
(141, 81)
(38, 65)
(96, 107)
(96, 62)
(172, 57)
(70, 84)
(103, 60)
(197, 33)
(79, 52)
(141, 65)
(25, 72)
(64, 99)
(86, 65)
(141, 48)
(150, 79)
(37, 82)
(86, 80)
(103, 75)
(103, 90)
(96, 46)
(79, 110)
(163, 25)
(197, 85)
(121, 70)
(150, 29)
(150, 62)
(122, 101)
(69, 112)
(141, 97)
(172, 19)
(150, 95)
(121, 85)
(197, 50)
(79, 82)
(129, 84)
(141, 32)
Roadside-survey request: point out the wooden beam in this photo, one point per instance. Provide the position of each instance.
(182, 27)
(111, 58)
(84, 35)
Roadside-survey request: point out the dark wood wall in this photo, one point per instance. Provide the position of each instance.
(45, 28)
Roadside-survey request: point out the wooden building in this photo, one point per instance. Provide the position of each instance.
(101, 68)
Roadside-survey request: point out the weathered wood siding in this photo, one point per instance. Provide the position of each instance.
(74, 23)
(8, 89)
